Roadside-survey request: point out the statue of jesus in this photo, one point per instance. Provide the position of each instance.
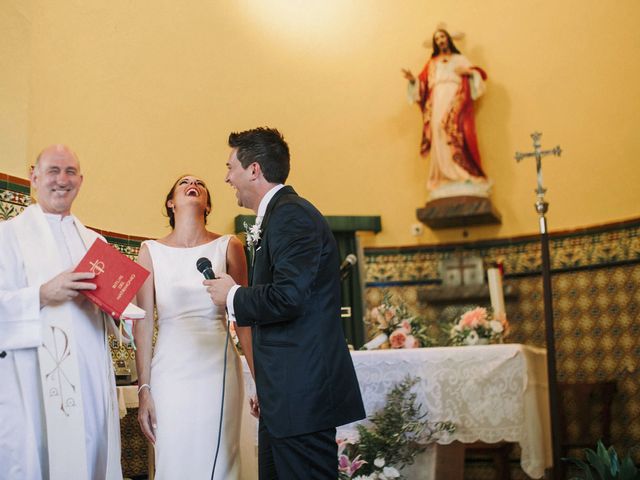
(444, 91)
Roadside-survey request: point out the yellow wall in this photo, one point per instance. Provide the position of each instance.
(147, 90)
(15, 59)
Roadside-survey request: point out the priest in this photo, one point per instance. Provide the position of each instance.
(58, 407)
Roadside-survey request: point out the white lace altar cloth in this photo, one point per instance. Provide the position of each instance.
(492, 393)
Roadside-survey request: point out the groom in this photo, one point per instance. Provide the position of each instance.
(305, 379)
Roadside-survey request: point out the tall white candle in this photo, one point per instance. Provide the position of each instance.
(495, 291)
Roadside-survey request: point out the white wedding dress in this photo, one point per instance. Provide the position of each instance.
(187, 369)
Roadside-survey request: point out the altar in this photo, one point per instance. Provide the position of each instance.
(492, 393)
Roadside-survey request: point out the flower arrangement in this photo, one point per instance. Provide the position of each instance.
(478, 326)
(393, 326)
(397, 434)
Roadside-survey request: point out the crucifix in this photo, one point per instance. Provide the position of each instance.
(542, 207)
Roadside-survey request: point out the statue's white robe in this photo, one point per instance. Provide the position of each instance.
(54, 245)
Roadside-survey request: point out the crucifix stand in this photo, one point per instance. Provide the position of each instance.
(542, 207)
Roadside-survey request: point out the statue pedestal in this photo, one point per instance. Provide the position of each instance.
(462, 211)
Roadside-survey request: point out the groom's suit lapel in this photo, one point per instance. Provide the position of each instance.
(279, 195)
(273, 204)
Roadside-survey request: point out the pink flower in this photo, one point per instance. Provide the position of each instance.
(349, 467)
(474, 318)
(398, 338)
(377, 315)
(342, 444)
(390, 313)
(406, 325)
(411, 342)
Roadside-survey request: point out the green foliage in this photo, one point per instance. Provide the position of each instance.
(399, 431)
(604, 464)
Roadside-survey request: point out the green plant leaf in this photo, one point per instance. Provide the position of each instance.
(582, 466)
(606, 463)
(597, 461)
(628, 470)
(615, 463)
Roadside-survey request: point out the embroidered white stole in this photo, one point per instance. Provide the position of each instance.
(59, 371)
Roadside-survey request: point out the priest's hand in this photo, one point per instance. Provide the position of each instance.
(65, 287)
(219, 288)
(147, 415)
(254, 406)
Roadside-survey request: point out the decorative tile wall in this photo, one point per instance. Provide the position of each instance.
(596, 305)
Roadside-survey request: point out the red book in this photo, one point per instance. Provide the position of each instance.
(118, 279)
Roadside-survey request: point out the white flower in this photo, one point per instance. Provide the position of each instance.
(253, 234)
(390, 472)
(496, 326)
(472, 338)
(379, 462)
(253, 237)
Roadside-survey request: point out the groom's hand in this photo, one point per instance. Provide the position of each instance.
(219, 288)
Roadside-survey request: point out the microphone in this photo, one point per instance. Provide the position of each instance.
(204, 267)
(346, 265)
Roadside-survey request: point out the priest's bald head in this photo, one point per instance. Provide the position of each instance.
(57, 179)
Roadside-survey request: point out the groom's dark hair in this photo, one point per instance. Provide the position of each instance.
(267, 147)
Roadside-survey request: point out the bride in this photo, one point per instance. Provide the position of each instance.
(181, 383)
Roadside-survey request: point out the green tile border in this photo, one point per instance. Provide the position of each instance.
(17, 184)
(584, 248)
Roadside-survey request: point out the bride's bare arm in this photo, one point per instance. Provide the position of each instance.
(143, 335)
(237, 268)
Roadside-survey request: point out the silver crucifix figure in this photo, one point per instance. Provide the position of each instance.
(541, 205)
(538, 154)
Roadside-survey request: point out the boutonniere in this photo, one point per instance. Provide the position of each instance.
(253, 238)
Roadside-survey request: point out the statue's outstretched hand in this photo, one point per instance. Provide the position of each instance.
(408, 75)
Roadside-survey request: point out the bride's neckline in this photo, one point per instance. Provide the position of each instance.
(191, 247)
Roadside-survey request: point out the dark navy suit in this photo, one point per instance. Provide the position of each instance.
(305, 378)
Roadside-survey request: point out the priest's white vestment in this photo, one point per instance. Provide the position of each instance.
(35, 247)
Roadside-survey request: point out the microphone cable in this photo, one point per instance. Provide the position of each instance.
(204, 266)
(224, 381)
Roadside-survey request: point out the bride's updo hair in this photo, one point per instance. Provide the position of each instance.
(169, 211)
